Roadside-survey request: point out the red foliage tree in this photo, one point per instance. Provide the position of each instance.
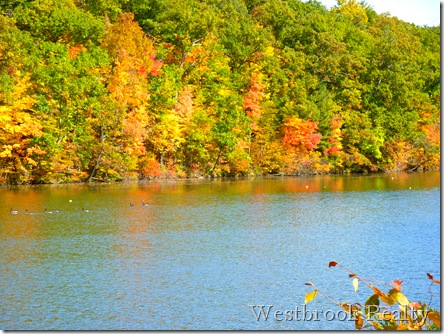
(300, 135)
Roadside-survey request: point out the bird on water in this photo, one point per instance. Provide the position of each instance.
(13, 212)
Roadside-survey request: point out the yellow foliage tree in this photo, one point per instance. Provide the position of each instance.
(19, 127)
(353, 10)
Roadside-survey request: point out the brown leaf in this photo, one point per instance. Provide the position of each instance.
(386, 299)
(359, 321)
(430, 276)
(350, 309)
(435, 318)
(436, 282)
(332, 264)
(351, 275)
(308, 283)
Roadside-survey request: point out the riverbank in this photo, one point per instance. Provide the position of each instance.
(169, 178)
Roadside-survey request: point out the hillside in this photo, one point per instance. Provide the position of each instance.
(114, 90)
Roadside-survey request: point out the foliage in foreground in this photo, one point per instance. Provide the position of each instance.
(114, 90)
(385, 311)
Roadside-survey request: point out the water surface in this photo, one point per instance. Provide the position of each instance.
(202, 251)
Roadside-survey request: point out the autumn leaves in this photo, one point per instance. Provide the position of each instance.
(379, 310)
(144, 89)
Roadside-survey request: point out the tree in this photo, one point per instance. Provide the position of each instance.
(19, 152)
(128, 89)
(127, 86)
(352, 10)
(300, 136)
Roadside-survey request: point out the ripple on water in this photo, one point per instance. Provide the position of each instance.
(201, 253)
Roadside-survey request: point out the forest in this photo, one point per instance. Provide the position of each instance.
(113, 90)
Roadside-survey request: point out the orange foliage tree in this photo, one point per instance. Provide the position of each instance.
(299, 137)
(252, 106)
(122, 142)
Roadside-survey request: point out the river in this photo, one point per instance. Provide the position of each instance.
(202, 253)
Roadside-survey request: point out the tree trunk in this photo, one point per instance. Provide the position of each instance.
(99, 157)
(215, 164)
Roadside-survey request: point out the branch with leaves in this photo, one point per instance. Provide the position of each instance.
(385, 311)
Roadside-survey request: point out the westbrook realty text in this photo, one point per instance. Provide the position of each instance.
(301, 313)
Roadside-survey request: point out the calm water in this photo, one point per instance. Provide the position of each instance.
(203, 251)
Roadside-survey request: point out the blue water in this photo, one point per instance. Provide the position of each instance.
(203, 252)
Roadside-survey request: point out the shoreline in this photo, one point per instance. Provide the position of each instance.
(208, 178)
